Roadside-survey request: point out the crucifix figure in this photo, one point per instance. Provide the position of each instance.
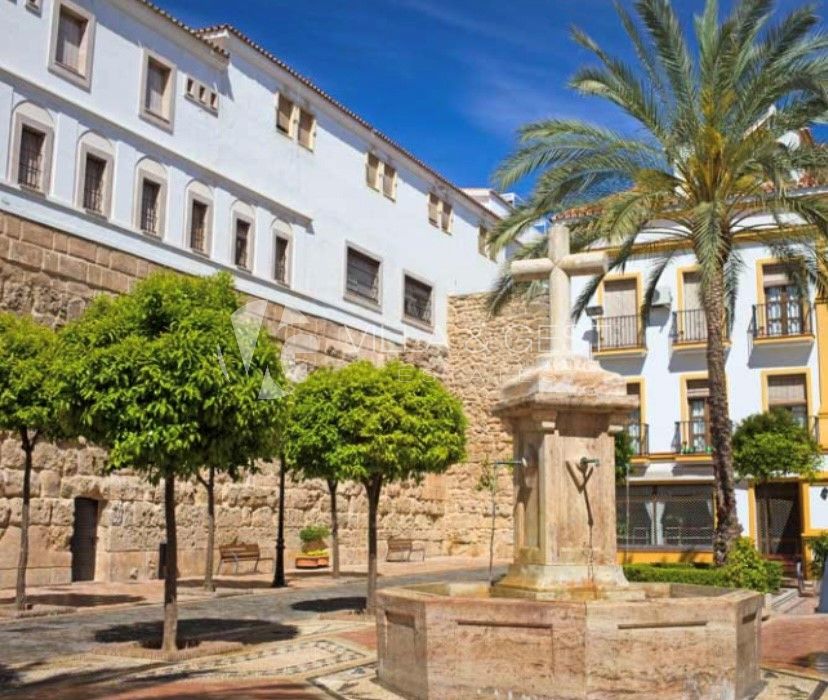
(558, 267)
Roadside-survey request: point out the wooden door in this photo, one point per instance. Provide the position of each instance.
(779, 522)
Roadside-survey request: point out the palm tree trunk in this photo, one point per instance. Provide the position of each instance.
(210, 485)
(170, 639)
(727, 524)
(373, 486)
(23, 559)
(332, 485)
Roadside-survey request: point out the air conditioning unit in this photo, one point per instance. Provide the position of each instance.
(663, 297)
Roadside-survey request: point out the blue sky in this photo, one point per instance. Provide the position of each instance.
(449, 79)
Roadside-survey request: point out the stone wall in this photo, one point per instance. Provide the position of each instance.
(53, 276)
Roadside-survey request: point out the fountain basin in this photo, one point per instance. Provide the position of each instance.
(665, 641)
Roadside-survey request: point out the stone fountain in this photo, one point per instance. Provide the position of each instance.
(564, 622)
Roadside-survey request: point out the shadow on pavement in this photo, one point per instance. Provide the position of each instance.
(76, 600)
(329, 605)
(202, 629)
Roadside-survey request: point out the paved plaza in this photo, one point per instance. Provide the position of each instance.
(299, 642)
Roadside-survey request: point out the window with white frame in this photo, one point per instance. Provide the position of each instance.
(440, 213)
(150, 207)
(158, 93)
(72, 39)
(417, 300)
(362, 276)
(241, 245)
(30, 157)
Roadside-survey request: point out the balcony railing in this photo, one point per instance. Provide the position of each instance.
(782, 319)
(689, 326)
(617, 333)
(693, 437)
(639, 434)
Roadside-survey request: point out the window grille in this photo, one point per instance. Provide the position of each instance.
(281, 272)
(150, 195)
(30, 167)
(93, 186)
(417, 302)
(242, 243)
(198, 226)
(363, 276)
(665, 516)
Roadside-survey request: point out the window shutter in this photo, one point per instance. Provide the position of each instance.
(692, 291)
(787, 389)
(70, 37)
(372, 171)
(698, 389)
(775, 276)
(433, 209)
(620, 298)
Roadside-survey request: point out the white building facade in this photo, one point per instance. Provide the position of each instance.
(202, 152)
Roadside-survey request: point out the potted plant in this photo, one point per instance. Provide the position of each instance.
(314, 549)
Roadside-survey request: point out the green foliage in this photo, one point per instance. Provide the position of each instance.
(819, 551)
(623, 456)
(360, 421)
(769, 445)
(314, 533)
(146, 380)
(28, 361)
(746, 568)
(662, 573)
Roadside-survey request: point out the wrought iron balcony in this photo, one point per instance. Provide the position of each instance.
(689, 326)
(782, 319)
(693, 437)
(639, 438)
(617, 333)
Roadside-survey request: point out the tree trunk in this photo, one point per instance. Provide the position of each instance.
(210, 485)
(332, 485)
(727, 524)
(373, 486)
(20, 594)
(170, 640)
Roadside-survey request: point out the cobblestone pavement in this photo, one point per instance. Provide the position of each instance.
(295, 645)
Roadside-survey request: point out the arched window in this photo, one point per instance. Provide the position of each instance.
(150, 201)
(96, 162)
(30, 152)
(199, 222)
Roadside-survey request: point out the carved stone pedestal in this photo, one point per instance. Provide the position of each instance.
(564, 413)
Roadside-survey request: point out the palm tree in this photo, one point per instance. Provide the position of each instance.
(710, 156)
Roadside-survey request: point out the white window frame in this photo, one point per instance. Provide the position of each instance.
(194, 195)
(374, 305)
(163, 121)
(413, 320)
(282, 229)
(20, 120)
(83, 77)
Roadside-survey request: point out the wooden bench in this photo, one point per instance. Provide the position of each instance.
(403, 547)
(237, 553)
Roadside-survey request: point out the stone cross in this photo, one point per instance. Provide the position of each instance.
(558, 267)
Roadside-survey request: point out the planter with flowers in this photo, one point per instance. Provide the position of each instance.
(314, 549)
